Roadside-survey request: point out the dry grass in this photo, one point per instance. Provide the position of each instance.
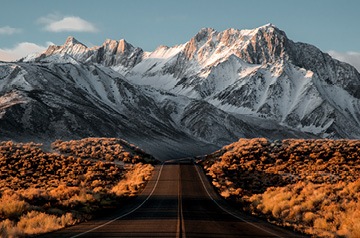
(312, 186)
(328, 210)
(12, 207)
(41, 192)
(35, 222)
(109, 149)
(134, 180)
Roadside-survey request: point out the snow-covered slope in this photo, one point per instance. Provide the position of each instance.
(263, 74)
(111, 52)
(184, 99)
(42, 101)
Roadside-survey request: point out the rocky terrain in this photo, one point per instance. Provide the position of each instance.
(42, 191)
(308, 185)
(182, 100)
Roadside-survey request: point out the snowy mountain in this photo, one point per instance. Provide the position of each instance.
(182, 100)
(63, 100)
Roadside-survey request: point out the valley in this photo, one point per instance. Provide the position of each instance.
(269, 129)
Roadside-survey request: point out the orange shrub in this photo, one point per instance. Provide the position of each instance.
(310, 185)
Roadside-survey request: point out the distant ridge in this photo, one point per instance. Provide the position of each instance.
(182, 100)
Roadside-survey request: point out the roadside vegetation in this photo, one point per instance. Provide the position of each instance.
(109, 149)
(41, 191)
(312, 186)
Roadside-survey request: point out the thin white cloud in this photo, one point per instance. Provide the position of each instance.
(352, 58)
(57, 23)
(21, 50)
(7, 30)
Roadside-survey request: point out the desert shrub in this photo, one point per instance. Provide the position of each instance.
(12, 207)
(42, 191)
(109, 149)
(133, 180)
(8, 229)
(35, 222)
(310, 185)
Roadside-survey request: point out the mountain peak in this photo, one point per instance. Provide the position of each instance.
(203, 33)
(70, 41)
(124, 45)
(120, 46)
(270, 28)
(268, 25)
(214, 88)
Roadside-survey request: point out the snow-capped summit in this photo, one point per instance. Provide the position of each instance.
(71, 41)
(110, 53)
(203, 35)
(198, 95)
(71, 47)
(116, 53)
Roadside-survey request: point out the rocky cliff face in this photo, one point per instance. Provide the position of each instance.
(110, 53)
(200, 95)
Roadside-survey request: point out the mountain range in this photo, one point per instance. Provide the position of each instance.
(184, 100)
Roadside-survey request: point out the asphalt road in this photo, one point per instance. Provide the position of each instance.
(177, 202)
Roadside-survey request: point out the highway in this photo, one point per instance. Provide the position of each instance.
(177, 202)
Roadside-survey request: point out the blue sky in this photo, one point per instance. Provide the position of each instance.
(27, 26)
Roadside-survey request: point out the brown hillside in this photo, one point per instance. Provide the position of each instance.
(310, 185)
(41, 191)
